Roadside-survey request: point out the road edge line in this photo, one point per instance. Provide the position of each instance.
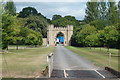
(99, 73)
(65, 74)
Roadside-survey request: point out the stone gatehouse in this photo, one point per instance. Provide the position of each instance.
(53, 31)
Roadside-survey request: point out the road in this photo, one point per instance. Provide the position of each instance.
(67, 64)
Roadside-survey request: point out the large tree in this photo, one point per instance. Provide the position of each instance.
(10, 29)
(37, 23)
(102, 10)
(80, 35)
(91, 11)
(64, 21)
(55, 17)
(112, 12)
(111, 36)
(119, 8)
(27, 11)
(10, 7)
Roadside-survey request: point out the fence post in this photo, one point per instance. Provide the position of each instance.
(50, 63)
(110, 59)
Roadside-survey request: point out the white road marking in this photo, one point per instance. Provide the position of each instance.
(99, 73)
(65, 74)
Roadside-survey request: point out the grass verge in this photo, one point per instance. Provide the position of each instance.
(25, 63)
(99, 58)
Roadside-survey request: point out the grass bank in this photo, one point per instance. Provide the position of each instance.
(25, 63)
(98, 57)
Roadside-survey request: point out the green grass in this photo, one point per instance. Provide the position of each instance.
(99, 58)
(25, 63)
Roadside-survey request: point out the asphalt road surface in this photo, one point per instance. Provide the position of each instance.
(67, 64)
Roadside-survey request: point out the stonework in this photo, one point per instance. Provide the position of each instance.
(53, 31)
(44, 41)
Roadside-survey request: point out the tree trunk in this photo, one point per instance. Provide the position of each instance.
(118, 52)
(90, 47)
(7, 45)
(17, 46)
(100, 48)
(108, 49)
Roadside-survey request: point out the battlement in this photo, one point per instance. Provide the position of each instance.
(52, 27)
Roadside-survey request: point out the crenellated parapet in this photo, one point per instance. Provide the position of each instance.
(52, 27)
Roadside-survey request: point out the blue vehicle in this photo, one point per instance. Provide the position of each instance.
(61, 39)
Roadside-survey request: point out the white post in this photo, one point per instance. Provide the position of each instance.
(110, 59)
(50, 63)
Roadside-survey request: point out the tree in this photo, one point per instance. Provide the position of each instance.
(30, 37)
(55, 17)
(27, 11)
(74, 38)
(111, 36)
(88, 29)
(99, 24)
(37, 23)
(119, 9)
(10, 7)
(1, 25)
(91, 40)
(64, 21)
(81, 33)
(102, 8)
(91, 11)
(9, 29)
(112, 13)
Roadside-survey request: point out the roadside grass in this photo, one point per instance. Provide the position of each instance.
(25, 63)
(99, 58)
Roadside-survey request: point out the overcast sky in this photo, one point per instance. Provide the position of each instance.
(48, 9)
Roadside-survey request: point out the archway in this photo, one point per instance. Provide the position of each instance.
(55, 32)
(59, 38)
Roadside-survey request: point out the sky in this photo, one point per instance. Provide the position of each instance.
(49, 9)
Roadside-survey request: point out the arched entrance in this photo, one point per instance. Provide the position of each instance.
(63, 34)
(60, 39)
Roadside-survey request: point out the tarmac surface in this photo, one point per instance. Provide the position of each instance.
(67, 64)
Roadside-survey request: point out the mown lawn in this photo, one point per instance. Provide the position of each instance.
(25, 63)
(99, 58)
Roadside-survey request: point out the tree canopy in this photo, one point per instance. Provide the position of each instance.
(64, 21)
(55, 17)
(28, 11)
(10, 7)
(102, 26)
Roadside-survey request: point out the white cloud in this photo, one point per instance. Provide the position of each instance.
(50, 0)
(48, 9)
(55, 0)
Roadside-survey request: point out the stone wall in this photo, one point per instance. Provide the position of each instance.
(44, 42)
